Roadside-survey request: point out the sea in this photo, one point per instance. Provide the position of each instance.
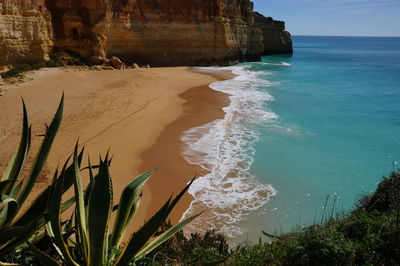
(304, 138)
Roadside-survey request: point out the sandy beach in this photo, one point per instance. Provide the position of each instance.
(138, 114)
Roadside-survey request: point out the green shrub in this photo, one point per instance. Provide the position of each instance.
(39, 66)
(367, 236)
(323, 246)
(374, 235)
(16, 71)
(54, 63)
(208, 249)
(65, 58)
(386, 197)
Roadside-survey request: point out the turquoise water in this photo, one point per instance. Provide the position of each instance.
(325, 121)
(338, 128)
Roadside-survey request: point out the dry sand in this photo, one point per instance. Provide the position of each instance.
(139, 114)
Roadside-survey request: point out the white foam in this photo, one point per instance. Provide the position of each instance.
(225, 148)
(276, 64)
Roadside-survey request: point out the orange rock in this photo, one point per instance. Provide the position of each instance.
(25, 32)
(156, 32)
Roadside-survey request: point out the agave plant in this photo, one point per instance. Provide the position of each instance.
(87, 237)
(16, 226)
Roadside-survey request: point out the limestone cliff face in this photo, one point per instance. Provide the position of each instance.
(25, 31)
(156, 32)
(159, 32)
(276, 39)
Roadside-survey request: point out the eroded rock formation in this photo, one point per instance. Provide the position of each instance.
(158, 32)
(276, 39)
(25, 31)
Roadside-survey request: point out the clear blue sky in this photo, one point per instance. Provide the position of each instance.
(335, 17)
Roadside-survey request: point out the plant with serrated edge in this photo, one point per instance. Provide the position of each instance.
(93, 241)
(16, 227)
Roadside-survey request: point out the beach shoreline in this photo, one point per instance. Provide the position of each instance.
(146, 108)
(202, 105)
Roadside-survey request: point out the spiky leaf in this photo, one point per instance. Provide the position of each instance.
(5, 186)
(38, 207)
(54, 210)
(42, 155)
(162, 238)
(8, 209)
(9, 235)
(15, 166)
(100, 206)
(128, 206)
(80, 206)
(141, 237)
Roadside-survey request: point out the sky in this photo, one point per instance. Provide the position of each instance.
(335, 17)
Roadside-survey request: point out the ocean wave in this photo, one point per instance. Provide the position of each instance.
(276, 64)
(226, 149)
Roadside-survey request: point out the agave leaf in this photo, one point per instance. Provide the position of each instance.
(69, 225)
(8, 235)
(270, 235)
(43, 219)
(43, 258)
(141, 237)
(50, 234)
(54, 216)
(128, 206)
(97, 166)
(180, 195)
(9, 208)
(16, 189)
(100, 206)
(15, 166)
(90, 185)
(80, 206)
(163, 237)
(38, 207)
(33, 240)
(18, 236)
(5, 186)
(42, 155)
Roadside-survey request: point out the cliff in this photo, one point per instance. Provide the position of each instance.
(276, 39)
(156, 32)
(25, 31)
(159, 32)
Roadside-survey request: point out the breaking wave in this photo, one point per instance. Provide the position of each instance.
(226, 149)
